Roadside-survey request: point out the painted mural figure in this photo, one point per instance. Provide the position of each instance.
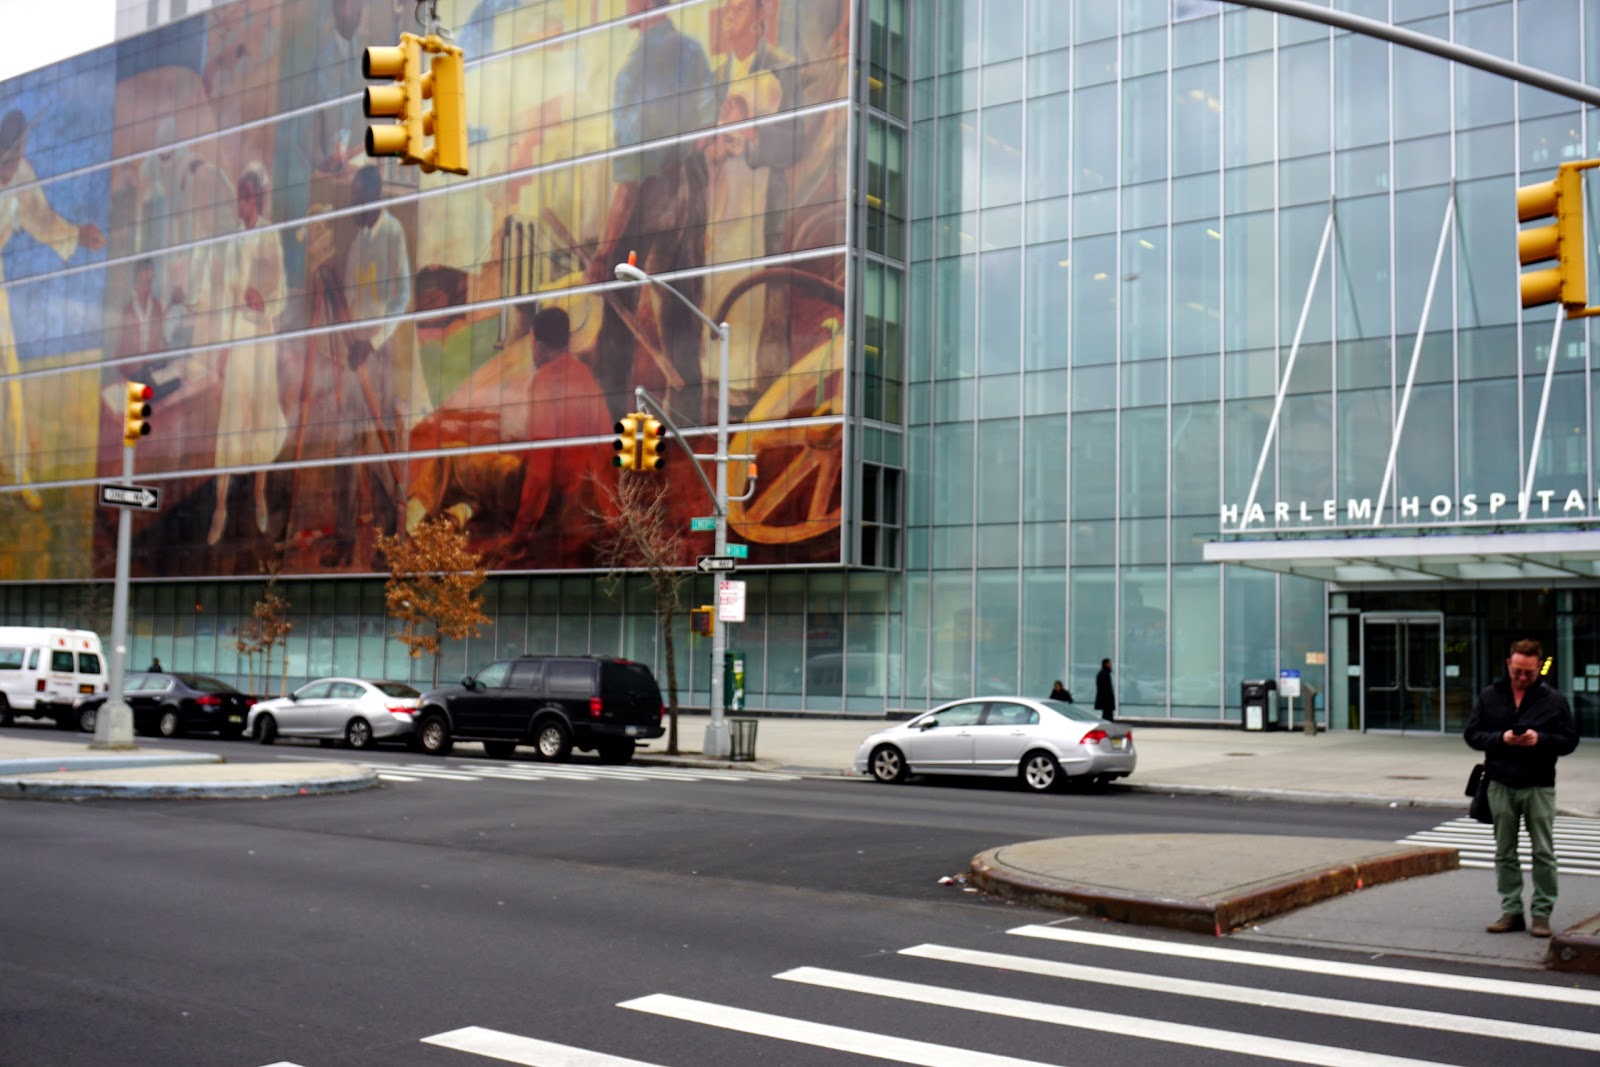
(377, 285)
(250, 423)
(27, 210)
(658, 209)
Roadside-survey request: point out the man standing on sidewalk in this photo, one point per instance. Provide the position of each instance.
(1522, 726)
(1105, 700)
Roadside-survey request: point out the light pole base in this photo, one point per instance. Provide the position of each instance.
(113, 726)
(717, 744)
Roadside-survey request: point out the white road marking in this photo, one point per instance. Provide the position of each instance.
(1459, 983)
(513, 1048)
(1267, 998)
(1080, 1018)
(821, 1035)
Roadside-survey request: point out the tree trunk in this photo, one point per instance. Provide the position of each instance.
(672, 684)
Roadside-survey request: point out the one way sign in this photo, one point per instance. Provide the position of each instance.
(130, 496)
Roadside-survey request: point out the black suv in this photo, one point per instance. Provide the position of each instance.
(554, 703)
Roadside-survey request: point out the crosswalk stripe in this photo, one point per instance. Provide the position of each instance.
(419, 772)
(397, 778)
(1334, 968)
(1081, 1018)
(1267, 998)
(547, 772)
(820, 1035)
(513, 1048)
(1576, 842)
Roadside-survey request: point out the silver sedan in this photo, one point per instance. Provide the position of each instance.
(361, 712)
(1041, 742)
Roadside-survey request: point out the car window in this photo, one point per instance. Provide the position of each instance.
(61, 661)
(88, 663)
(11, 659)
(1075, 712)
(525, 674)
(959, 715)
(205, 684)
(348, 691)
(395, 689)
(1001, 714)
(569, 678)
(494, 675)
(134, 682)
(631, 680)
(314, 691)
(33, 659)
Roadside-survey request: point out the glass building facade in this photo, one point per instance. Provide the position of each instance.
(1061, 331)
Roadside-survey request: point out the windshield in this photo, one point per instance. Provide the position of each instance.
(395, 689)
(1075, 712)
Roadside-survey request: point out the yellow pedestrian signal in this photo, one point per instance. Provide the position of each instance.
(700, 620)
(136, 420)
(652, 445)
(627, 442)
(443, 80)
(1561, 202)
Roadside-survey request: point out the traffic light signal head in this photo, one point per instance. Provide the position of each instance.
(652, 445)
(1561, 202)
(627, 442)
(136, 418)
(700, 620)
(449, 115)
(401, 101)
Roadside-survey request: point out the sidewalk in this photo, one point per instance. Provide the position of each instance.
(1373, 895)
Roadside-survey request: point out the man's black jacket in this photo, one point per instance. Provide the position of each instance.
(1543, 709)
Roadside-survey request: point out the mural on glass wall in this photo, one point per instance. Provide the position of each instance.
(257, 276)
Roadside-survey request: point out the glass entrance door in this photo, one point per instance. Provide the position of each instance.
(1402, 672)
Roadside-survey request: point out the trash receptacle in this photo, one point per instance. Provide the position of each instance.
(742, 739)
(1255, 704)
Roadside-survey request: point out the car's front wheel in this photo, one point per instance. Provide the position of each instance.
(551, 741)
(87, 717)
(1040, 772)
(433, 736)
(266, 729)
(170, 724)
(888, 764)
(358, 733)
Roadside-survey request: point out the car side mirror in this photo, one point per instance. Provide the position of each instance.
(930, 724)
(468, 683)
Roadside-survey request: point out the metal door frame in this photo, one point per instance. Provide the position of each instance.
(1395, 618)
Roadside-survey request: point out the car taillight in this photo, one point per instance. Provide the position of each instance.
(594, 707)
(402, 710)
(208, 701)
(249, 702)
(38, 686)
(1093, 737)
(661, 713)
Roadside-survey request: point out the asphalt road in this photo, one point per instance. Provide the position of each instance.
(662, 922)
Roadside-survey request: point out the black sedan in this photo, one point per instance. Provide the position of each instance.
(175, 704)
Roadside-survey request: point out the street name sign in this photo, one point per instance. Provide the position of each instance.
(130, 496)
(739, 551)
(703, 522)
(715, 563)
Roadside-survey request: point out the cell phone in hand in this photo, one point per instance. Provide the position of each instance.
(1519, 729)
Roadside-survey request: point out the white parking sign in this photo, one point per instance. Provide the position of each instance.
(730, 601)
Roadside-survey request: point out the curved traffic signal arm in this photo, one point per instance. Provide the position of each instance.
(652, 445)
(627, 441)
(1561, 202)
(136, 414)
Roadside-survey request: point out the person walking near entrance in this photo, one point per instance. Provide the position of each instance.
(1105, 701)
(1522, 726)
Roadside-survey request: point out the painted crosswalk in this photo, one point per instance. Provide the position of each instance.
(1577, 843)
(1073, 977)
(562, 772)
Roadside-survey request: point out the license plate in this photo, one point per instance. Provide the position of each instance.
(635, 730)
(85, 688)
(1119, 742)
(236, 718)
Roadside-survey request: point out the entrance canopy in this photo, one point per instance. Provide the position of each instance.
(1488, 557)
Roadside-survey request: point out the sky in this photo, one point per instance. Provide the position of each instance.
(54, 30)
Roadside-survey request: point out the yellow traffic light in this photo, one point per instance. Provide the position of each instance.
(448, 120)
(136, 416)
(401, 101)
(627, 442)
(1561, 202)
(652, 445)
(436, 138)
(700, 619)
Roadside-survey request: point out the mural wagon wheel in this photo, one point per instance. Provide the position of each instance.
(800, 469)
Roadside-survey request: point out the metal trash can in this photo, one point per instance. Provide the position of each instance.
(742, 739)
(1257, 710)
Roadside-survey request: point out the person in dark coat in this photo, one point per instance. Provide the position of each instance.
(1060, 692)
(155, 665)
(1105, 701)
(1522, 726)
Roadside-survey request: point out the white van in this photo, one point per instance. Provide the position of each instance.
(47, 672)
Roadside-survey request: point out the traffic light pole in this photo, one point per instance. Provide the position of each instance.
(113, 724)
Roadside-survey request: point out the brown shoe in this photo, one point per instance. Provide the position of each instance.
(1541, 926)
(1510, 922)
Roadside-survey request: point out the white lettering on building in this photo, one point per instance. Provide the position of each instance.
(1441, 506)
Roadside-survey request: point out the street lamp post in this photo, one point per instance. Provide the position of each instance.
(716, 744)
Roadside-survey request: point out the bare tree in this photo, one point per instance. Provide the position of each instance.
(272, 625)
(247, 642)
(433, 580)
(644, 538)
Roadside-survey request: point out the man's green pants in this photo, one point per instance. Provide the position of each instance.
(1535, 806)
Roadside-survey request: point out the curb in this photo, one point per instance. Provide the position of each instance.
(44, 787)
(1216, 917)
(1576, 950)
(52, 764)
